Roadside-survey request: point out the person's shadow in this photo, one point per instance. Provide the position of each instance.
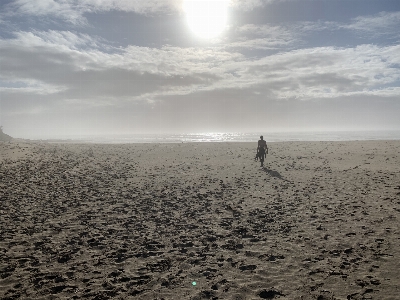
(273, 173)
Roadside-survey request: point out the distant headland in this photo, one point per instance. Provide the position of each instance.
(4, 137)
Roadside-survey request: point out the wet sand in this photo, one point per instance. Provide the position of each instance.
(147, 221)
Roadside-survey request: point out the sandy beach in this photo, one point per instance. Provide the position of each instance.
(200, 221)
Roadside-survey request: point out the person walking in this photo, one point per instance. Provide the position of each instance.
(262, 150)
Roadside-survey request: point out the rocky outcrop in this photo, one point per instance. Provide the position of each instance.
(4, 137)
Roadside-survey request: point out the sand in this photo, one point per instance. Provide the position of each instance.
(200, 221)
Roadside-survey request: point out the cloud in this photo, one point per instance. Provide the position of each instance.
(304, 74)
(73, 67)
(307, 27)
(329, 72)
(63, 9)
(382, 24)
(293, 35)
(73, 11)
(30, 88)
(70, 68)
(265, 37)
(249, 4)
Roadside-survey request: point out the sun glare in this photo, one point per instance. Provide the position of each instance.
(206, 18)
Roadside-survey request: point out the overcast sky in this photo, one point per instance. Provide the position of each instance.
(77, 67)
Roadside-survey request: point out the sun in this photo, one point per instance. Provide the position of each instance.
(206, 18)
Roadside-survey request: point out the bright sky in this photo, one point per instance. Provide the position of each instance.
(71, 67)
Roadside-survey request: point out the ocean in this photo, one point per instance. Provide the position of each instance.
(234, 137)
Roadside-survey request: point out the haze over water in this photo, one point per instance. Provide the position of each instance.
(237, 137)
